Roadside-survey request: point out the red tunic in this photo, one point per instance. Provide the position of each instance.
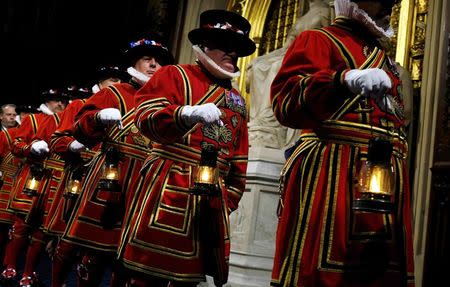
(320, 240)
(9, 165)
(60, 140)
(171, 233)
(99, 208)
(19, 202)
(53, 169)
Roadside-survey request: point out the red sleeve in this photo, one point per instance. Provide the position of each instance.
(308, 88)
(87, 129)
(62, 137)
(4, 144)
(28, 128)
(6, 140)
(159, 103)
(47, 127)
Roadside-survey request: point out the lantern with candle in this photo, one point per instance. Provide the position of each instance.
(205, 176)
(376, 179)
(32, 184)
(109, 179)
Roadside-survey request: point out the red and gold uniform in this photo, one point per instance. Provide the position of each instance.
(52, 171)
(19, 202)
(171, 233)
(320, 240)
(9, 166)
(55, 223)
(97, 222)
(61, 207)
(53, 167)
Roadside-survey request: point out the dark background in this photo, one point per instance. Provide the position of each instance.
(53, 43)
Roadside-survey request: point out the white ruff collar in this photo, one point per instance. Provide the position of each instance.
(350, 9)
(138, 76)
(212, 67)
(95, 88)
(43, 108)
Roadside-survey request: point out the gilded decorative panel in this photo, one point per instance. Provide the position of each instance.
(280, 17)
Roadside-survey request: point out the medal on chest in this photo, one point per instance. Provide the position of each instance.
(235, 102)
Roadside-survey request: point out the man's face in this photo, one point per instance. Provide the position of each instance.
(56, 106)
(225, 60)
(380, 13)
(8, 117)
(147, 65)
(108, 82)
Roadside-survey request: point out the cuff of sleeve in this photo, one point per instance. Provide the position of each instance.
(97, 120)
(68, 145)
(339, 76)
(179, 122)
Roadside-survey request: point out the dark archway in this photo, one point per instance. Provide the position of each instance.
(47, 43)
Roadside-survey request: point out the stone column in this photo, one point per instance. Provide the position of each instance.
(254, 223)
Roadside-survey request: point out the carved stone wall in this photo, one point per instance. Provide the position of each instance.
(253, 225)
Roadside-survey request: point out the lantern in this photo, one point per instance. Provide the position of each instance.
(376, 179)
(109, 179)
(205, 176)
(73, 186)
(33, 180)
(72, 190)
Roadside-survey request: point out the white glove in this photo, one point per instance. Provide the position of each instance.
(76, 146)
(368, 82)
(39, 148)
(110, 116)
(206, 113)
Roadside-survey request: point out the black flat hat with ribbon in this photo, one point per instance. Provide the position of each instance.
(75, 92)
(27, 109)
(110, 71)
(224, 30)
(148, 46)
(53, 95)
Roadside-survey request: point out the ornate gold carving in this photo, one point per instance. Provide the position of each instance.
(416, 70)
(238, 6)
(418, 44)
(395, 20)
(418, 47)
(422, 6)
